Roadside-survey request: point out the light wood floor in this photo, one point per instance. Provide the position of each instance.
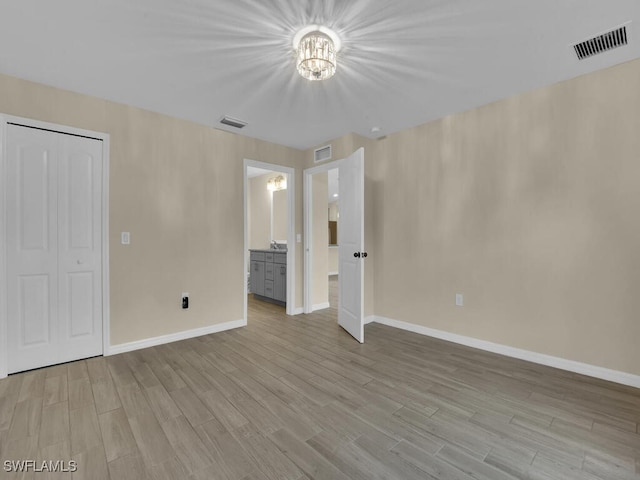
(297, 398)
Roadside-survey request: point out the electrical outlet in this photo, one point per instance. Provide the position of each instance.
(185, 300)
(459, 300)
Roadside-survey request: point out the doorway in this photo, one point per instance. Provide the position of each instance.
(269, 232)
(323, 239)
(350, 239)
(53, 221)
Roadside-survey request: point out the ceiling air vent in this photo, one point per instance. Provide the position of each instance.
(233, 122)
(601, 43)
(322, 154)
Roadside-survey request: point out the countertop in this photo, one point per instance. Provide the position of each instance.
(268, 250)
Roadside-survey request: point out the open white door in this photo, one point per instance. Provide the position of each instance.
(351, 240)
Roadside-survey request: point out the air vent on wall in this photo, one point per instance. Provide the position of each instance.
(233, 122)
(322, 154)
(601, 43)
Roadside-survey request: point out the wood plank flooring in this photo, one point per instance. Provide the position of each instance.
(297, 398)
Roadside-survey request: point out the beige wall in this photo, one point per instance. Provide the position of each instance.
(177, 187)
(320, 228)
(259, 212)
(529, 207)
(332, 260)
(280, 216)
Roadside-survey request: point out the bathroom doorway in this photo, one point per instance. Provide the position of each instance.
(269, 233)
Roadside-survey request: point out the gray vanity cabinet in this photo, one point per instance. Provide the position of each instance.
(269, 275)
(257, 274)
(280, 282)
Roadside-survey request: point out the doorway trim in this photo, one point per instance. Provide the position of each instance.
(64, 129)
(291, 231)
(307, 188)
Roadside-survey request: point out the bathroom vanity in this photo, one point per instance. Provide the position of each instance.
(268, 275)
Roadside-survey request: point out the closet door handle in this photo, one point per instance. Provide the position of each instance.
(357, 254)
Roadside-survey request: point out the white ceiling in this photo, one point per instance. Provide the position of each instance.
(403, 62)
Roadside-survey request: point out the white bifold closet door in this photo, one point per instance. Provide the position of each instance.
(54, 247)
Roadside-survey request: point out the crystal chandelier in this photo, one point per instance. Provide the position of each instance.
(277, 183)
(317, 47)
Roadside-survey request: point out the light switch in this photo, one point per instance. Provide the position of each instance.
(459, 300)
(299, 238)
(125, 238)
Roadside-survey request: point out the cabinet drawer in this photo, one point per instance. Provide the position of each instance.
(268, 288)
(268, 257)
(268, 271)
(279, 258)
(257, 256)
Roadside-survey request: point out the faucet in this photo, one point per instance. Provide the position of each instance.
(274, 245)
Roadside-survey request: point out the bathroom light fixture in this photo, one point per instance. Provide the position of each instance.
(277, 183)
(316, 47)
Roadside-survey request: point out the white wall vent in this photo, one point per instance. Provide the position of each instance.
(601, 43)
(322, 154)
(233, 122)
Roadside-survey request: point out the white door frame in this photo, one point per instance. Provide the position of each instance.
(27, 122)
(307, 189)
(291, 231)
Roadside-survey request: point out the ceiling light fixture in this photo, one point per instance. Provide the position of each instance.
(316, 48)
(277, 183)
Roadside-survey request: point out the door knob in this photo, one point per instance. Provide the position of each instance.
(357, 254)
(364, 254)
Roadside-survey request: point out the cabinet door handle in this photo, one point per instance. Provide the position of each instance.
(283, 270)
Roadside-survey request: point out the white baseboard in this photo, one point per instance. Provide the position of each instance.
(298, 311)
(534, 357)
(320, 306)
(370, 319)
(173, 337)
(333, 273)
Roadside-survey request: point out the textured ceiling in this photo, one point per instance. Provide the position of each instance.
(403, 63)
